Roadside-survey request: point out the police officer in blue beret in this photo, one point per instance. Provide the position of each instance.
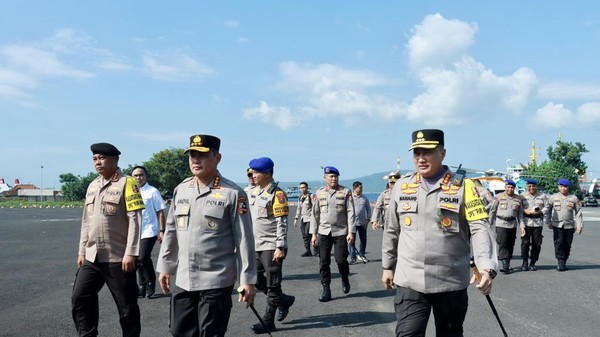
(563, 214)
(532, 225)
(333, 221)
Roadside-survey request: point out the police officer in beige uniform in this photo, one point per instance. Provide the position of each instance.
(333, 220)
(532, 225)
(109, 245)
(269, 209)
(251, 182)
(433, 219)
(506, 214)
(208, 231)
(563, 214)
(304, 213)
(383, 201)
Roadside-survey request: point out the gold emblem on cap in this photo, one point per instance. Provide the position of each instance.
(197, 141)
(407, 221)
(419, 135)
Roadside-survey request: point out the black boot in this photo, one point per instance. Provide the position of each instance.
(306, 253)
(269, 319)
(345, 284)
(142, 290)
(150, 289)
(284, 307)
(326, 294)
(525, 266)
(562, 265)
(532, 266)
(505, 266)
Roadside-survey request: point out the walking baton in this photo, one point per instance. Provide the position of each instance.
(487, 297)
(242, 291)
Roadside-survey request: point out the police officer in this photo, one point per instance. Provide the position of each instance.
(563, 214)
(506, 214)
(109, 245)
(269, 209)
(433, 217)
(208, 229)
(251, 183)
(303, 213)
(333, 220)
(383, 201)
(532, 225)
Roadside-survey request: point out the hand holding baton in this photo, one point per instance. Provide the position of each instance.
(242, 291)
(477, 275)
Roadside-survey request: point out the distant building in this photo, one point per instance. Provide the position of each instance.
(29, 192)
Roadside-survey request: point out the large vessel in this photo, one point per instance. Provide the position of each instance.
(292, 192)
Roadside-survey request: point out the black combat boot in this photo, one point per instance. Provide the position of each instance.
(306, 253)
(269, 319)
(284, 307)
(142, 290)
(326, 294)
(532, 266)
(345, 284)
(505, 266)
(562, 265)
(150, 289)
(525, 266)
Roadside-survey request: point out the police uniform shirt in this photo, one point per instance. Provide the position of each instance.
(110, 226)
(362, 209)
(333, 212)
(269, 211)
(426, 239)
(304, 209)
(208, 234)
(531, 202)
(153, 203)
(506, 211)
(563, 211)
(381, 206)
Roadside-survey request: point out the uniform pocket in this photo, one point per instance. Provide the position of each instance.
(448, 219)
(407, 213)
(213, 217)
(182, 216)
(109, 208)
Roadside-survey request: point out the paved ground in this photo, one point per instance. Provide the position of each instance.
(38, 249)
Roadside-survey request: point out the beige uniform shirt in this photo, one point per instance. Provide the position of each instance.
(429, 233)
(208, 235)
(381, 206)
(563, 211)
(534, 203)
(269, 210)
(506, 211)
(304, 209)
(333, 212)
(111, 222)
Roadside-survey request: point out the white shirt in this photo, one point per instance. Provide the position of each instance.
(154, 203)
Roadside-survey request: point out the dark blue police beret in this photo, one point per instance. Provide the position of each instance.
(564, 182)
(331, 170)
(262, 164)
(105, 149)
(531, 182)
(510, 182)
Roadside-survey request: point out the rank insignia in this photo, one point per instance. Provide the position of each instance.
(212, 225)
(217, 195)
(404, 186)
(406, 206)
(409, 191)
(407, 221)
(413, 185)
(446, 222)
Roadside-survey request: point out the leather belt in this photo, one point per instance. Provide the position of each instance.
(506, 218)
(534, 216)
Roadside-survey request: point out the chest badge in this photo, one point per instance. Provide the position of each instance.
(446, 222)
(406, 206)
(407, 221)
(212, 225)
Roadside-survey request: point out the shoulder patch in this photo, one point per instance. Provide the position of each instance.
(280, 204)
(133, 198)
(474, 208)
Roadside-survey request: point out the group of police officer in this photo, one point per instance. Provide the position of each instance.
(217, 234)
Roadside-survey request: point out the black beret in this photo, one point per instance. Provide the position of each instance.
(105, 149)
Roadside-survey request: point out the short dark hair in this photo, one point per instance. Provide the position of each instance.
(356, 184)
(303, 183)
(141, 168)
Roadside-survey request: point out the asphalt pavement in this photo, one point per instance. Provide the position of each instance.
(38, 251)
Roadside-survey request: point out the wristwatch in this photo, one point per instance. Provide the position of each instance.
(491, 272)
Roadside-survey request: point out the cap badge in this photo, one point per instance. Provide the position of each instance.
(197, 141)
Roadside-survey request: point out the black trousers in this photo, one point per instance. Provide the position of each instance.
(326, 242)
(90, 278)
(269, 276)
(145, 268)
(203, 313)
(413, 309)
(505, 237)
(306, 236)
(563, 238)
(533, 238)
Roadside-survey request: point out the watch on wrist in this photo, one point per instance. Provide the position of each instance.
(492, 273)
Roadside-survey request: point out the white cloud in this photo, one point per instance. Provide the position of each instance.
(242, 39)
(279, 116)
(232, 24)
(114, 65)
(588, 114)
(557, 116)
(175, 66)
(569, 90)
(38, 62)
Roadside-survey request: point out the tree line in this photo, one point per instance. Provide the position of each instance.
(167, 168)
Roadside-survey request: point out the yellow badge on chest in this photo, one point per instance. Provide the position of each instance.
(446, 222)
(407, 221)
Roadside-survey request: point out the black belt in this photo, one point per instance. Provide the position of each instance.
(506, 218)
(534, 216)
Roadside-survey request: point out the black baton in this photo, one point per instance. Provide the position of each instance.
(487, 297)
(242, 291)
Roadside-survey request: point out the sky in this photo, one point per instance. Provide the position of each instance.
(306, 83)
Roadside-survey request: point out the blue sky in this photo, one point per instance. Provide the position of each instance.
(307, 83)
